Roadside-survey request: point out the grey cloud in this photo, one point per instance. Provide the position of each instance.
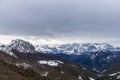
(60, 18)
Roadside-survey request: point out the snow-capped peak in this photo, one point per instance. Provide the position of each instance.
(18, 45)
(76, 48)
(22, 46)
(71, 49)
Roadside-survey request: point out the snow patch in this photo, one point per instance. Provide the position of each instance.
(45, 74)
(84, 68)
(114, 74)
(91, 78)
(103, 71)
(118, 77)
(62, 72)
(80, 78)
(50, 62)
(25, 65)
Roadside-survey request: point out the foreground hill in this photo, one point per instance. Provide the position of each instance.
(31, 67)
(10, 71)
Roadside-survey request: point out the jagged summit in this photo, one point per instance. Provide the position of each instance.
(76, 48)
(22, 46)
(18, 45)
(70, 49)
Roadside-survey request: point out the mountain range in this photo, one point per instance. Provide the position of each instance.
(90, 61)
(76, 48)
(69, 49)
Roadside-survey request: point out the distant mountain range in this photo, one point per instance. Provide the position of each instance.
(76, 48)
(70, 49)
(96, 61)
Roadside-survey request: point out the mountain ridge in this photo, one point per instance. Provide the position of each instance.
(76, 48)
(70, 49)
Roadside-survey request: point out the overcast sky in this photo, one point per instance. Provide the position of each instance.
(58, 21)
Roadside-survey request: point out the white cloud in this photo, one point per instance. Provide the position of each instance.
(6, 39)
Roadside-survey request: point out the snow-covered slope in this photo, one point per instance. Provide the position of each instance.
(50, 62)
(6, 49)
(22, 46)
(76, 48)
(18, 45)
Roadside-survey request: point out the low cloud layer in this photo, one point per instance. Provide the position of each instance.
(61, 19)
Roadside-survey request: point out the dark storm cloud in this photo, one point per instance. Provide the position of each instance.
(60, 18)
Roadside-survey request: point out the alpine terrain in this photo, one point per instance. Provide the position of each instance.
(92, 61)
